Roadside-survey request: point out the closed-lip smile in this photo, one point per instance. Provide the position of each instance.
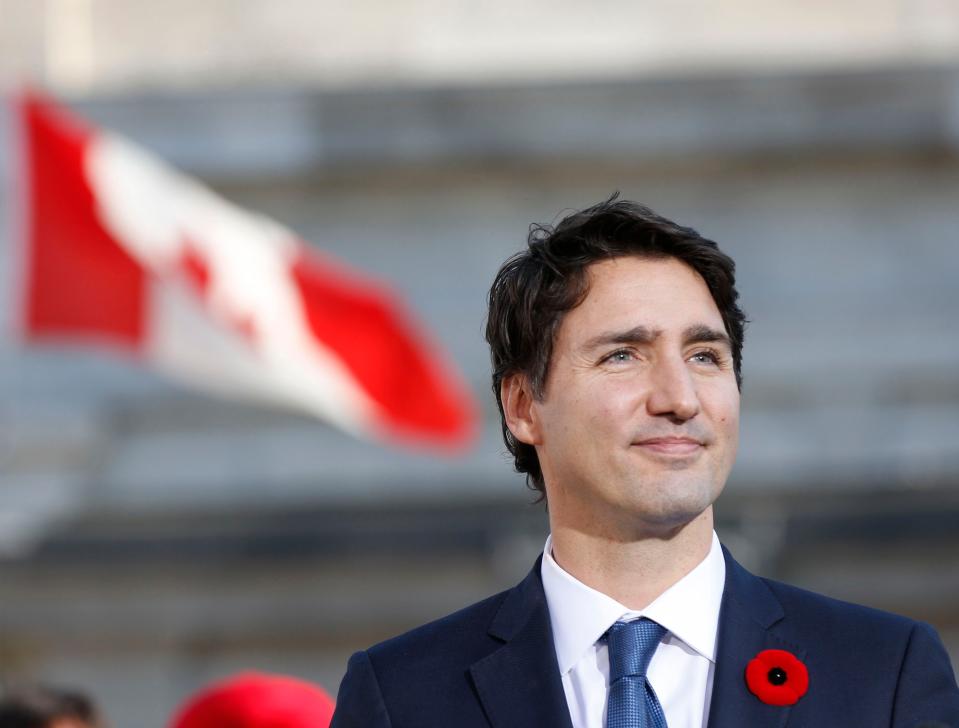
(671, 445)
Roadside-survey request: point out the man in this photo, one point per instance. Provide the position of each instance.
(616, 344)
(40, 706)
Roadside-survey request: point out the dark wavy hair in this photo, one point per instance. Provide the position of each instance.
(39, 706)
(535, 287)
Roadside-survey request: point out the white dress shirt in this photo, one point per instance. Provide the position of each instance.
(681, 671)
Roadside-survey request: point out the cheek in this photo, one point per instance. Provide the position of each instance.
(728, 426)
(723, 407)
(610, 407)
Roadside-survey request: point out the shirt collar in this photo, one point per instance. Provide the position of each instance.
(580, 615)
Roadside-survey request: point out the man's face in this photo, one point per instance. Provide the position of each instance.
(638, 426)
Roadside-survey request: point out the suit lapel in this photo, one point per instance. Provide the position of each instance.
(519, 684)
(747, 615)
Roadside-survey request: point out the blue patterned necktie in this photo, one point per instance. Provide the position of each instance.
(632, 702)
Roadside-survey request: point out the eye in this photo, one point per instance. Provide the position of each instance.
(618, 356)
(707, 356)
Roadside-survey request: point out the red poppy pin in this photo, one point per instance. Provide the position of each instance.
(777, 677)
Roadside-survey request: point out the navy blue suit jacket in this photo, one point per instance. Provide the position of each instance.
(494, 664)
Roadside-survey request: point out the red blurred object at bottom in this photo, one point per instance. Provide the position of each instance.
(256, 700)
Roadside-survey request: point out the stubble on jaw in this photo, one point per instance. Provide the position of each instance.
(650, 512)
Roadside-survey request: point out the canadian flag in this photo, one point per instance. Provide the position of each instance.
(122, 249)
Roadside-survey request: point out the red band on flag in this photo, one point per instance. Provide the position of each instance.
(397, 369)
(80, 282)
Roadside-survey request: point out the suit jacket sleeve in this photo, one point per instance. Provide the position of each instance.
(927, 686)
(359, 702)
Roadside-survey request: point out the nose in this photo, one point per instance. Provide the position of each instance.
(672, 391)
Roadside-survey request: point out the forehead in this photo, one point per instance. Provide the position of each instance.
(663, 293)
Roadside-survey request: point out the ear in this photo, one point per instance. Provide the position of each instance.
(519, 408)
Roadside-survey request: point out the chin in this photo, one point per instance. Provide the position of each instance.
(677, 513)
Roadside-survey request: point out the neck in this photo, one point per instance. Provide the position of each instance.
(637, 570)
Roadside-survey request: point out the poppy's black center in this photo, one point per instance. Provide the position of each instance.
(777, 676)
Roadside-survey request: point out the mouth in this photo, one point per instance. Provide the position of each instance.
(671, 446)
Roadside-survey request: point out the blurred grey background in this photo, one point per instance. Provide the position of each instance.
(152, 539)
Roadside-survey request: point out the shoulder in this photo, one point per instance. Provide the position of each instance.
(461, 637)
(421, 674)
(801, 615)
(839, 632)
(829, 614)
(852, 632)
(466, 636)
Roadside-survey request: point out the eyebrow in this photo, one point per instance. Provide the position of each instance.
(696, 334)
(702, 334)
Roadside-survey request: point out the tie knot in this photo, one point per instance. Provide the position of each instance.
(631, 647)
